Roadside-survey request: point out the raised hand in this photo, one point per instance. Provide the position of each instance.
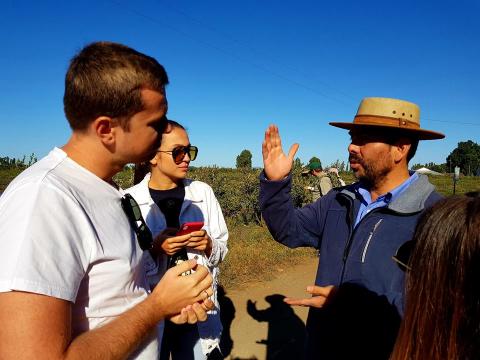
(276, 164)
(320, 295)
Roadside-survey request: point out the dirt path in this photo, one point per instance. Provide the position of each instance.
(246, 332)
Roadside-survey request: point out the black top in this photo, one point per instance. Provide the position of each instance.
(170, 203)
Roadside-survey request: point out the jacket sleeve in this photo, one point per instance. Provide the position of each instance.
(289, 226)
(216, 229)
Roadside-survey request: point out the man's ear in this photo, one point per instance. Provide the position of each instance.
(105, 129)
(401, 149)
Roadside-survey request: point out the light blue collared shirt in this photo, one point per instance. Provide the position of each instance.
(366, 200)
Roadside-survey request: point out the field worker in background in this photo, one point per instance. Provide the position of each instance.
(321, 182)
(167, 200)
(72, 280)
(358, 296)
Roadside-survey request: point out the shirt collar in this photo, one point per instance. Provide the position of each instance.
(363, 193)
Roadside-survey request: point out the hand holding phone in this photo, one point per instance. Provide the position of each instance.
(189, 227)
(199, 239)
(181, 255)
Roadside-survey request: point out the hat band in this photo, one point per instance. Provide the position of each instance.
(385, 121)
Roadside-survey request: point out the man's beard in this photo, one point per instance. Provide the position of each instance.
(374, 171)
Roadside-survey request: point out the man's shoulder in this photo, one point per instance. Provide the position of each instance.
(433, 198)
(35, 176)
(326, 179)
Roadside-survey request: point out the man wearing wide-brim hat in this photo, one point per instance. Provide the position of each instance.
(358, 296)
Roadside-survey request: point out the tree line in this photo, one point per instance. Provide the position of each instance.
(13, 163)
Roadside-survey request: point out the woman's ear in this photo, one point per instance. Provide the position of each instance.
(154, 160)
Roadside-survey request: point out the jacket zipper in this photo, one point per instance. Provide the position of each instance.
(346, 252)
(364, 253)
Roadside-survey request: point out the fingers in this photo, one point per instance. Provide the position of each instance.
(320, 290)
(320, 295)
(271, 138)
(293, 150)
(316, 301)
(203, 288)
(171, 245)
(264, 150)
(180, 318)
(185, 267)
(198, 234)
(201, 272)
(296, 302)
(275, 136)
(208, 305)
(200, 312)
(191, 316)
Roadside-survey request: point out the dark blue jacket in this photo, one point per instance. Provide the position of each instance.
(362, 320)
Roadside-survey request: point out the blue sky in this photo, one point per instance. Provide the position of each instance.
(237, 66)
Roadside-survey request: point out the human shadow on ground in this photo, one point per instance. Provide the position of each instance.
(227, 314)
(355, 324)
(286, 331)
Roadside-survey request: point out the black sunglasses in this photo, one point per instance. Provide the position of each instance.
(180, 151)
(134, 215)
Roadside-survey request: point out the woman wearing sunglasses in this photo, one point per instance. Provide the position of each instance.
(167, 200)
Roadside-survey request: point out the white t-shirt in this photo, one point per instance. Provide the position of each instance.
(64, 234)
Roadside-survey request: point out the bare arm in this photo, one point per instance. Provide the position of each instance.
(39, 327)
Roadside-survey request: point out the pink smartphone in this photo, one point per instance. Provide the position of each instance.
(188, 227)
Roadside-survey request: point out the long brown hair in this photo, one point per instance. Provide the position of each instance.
(442, 313)
(142, 169)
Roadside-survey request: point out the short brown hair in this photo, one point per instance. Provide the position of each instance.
(105, 79)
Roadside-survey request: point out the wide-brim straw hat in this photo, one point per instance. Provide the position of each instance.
(392, 114)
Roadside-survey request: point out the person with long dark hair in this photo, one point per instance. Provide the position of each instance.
(167, 199)
(442, 314)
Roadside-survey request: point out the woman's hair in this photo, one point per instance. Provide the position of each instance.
(142, 169)
(442, 311)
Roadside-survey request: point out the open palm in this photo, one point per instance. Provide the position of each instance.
(277, 165)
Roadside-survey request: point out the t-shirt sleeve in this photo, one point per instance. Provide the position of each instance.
(44, 247)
